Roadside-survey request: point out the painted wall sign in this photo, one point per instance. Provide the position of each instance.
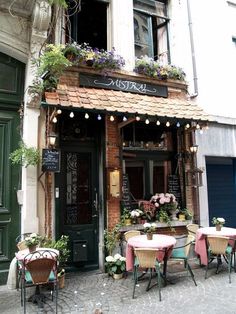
(119, 84)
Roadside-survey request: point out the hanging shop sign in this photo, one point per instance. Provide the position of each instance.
(50, 160)
(107, 82)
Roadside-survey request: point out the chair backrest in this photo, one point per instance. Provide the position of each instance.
(40, 264)
(192, 229)
(130, 234)
(183, 245)
(217, 244)
(190, 239)
(20, 241)
(146, 257)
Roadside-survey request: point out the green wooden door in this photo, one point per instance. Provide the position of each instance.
(11, 92)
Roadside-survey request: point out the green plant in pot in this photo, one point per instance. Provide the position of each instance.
(126, 217)
(25, 156)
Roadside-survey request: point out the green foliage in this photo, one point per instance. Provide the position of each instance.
(61, 3)
(32, 239)
(51, 64)
(111, 237)
(25, 156)
(61, 245)
(185, 211)
(116, 264)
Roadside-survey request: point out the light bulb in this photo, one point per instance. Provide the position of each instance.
(124, 118)
(59, 111)
(178, 124)
(86, 115)
(99, 117)
(147, 121)
(167, 123)
(197, 126)
(158, 122)
(137, 118)
(187, 126)
(112, 118)
(54, 120)
(72, 114)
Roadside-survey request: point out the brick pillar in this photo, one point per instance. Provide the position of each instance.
(113, 161)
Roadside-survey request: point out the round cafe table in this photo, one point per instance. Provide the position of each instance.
(202, 233)
(161, 242)
(20, 255)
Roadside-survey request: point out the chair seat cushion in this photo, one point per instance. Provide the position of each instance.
(178, 253)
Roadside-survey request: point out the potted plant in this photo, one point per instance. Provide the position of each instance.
(126, 217)
(111, 238)
(184, 214)
(149, 229)
(135, 215)
(62, 246)
(218, 222)
(115, 265)
(25, 156)
(32, 241)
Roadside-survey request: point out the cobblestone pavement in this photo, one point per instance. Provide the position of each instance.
(86, 292)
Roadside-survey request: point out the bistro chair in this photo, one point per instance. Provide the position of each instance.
(192, 229)
(130, 234)
(146, 258)
(218, 247)
(181, 253)
(39, 268)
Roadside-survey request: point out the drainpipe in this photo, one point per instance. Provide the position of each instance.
(190, 23)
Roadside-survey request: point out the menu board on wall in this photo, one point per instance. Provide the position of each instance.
(51, 160)
(126, 196)
(174, 187)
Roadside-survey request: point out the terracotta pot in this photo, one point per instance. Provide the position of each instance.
(118, 276)
(61, 281)
(149, 236)
(218, 227)
(32, 248)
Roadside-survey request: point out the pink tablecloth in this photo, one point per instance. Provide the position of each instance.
(160, 241)
(200, 246)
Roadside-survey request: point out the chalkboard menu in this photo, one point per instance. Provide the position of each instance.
(51, 160)
(174, 187)
(126, 199)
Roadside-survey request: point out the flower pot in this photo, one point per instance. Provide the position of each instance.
(218, 227)
(149, 236)
(181, 217)
(61, 281)
(118, 276)
(32, 248)
(128, 222)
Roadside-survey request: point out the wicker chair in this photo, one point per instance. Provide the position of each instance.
(181, 252)
(147, 258)
(130, 234)
(192, 229)
(39, 268)
(218, 246)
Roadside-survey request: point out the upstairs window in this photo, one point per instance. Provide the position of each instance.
(151, 29)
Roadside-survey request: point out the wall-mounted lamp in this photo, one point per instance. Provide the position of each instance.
(52, 139)
(193, 149)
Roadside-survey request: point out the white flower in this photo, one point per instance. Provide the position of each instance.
(117, 256)
(154, 225)
(110, 258)
(123, 259)
(147, 225)
(221, 220)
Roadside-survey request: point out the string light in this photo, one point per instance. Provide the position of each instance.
(99, 117)
(112, 118)
(59, 111)
(158, 122)
(197, 126)
(167, 123)
(72, 114)
(137, 118)
(124, 118)
(178, 124)
(86, 115)
(54, 120)
(187, 126)
(147, 121)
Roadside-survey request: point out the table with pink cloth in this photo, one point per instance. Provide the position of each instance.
(200, 245)
(161, 242)
(20, 255)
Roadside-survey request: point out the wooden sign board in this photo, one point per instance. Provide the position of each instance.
(50, 160)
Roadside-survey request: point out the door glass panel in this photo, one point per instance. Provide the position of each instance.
(135, 172)
(78, 189)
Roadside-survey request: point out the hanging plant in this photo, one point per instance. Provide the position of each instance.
(25, 156)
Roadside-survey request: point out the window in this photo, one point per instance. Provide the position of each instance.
(150, 29)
